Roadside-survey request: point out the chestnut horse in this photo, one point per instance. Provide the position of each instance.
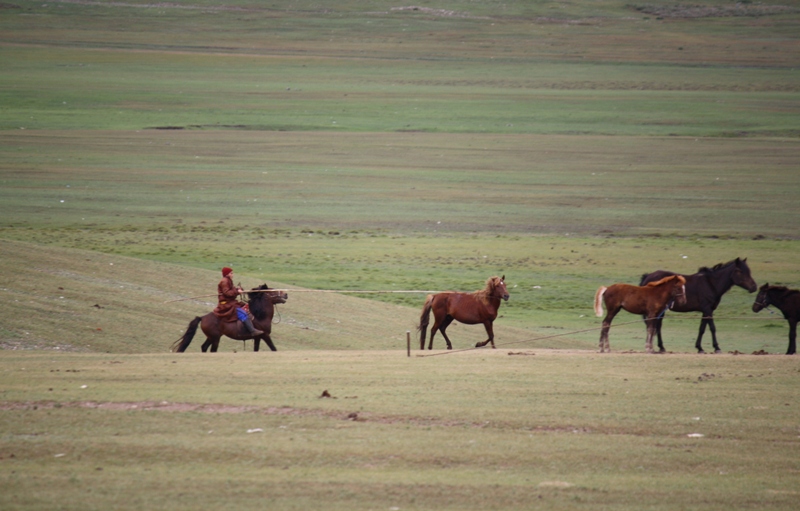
(262, 306)
(704, 291)
(468, 308)
(788, 301)
(651, 300)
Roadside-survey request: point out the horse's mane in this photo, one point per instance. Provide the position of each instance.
(720, 266)
(257, 302)
(783, 290)
(484, 294)
(665, 279)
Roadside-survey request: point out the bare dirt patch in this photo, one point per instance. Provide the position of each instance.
(687, 11)
(435, 12)
(216, 408)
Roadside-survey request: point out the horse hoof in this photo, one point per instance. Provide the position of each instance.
(717, 351)
(701, 352)
(477, 345)
(662, 350)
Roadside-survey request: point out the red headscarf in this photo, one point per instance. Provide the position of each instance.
(226, 271)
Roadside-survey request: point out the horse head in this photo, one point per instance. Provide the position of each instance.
(277, 297)
(678, 288)
(261, 297)
(762, 300)
(496, 287)
(741, 275)
(263, 291)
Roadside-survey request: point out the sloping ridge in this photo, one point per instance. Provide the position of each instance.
(74, 300)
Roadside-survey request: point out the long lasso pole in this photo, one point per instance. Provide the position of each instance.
(352, 291)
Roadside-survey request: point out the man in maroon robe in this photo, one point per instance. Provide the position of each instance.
(228, 306)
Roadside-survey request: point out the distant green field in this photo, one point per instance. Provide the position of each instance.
(68, 88)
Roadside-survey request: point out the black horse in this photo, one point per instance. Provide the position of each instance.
(262, 306)
(788, 301)
(704, 291)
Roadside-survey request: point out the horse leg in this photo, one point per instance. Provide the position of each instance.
(268, 340)
(490, 333)
(215, 345)
(698, 344)
(434, 328)
(604, 337)
(446, 323)
(792, 337)
(604, 343)
(206, 344)
(658, 334)
(651, 330)
(713, 329)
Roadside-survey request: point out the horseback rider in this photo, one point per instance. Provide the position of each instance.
(229, 308)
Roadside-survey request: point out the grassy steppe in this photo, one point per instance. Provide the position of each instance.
(383, 146)
(478, 430)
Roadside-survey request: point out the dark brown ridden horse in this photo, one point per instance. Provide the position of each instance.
(468, 308)
(262, 306)
(651, 300)
(704, 291)
(788, 301)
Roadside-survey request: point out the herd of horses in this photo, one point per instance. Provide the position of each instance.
(656, 293)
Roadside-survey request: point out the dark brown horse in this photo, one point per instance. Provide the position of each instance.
(468, 308)
(704, 291)
(788, 302)
(262, 306)
(651, 300)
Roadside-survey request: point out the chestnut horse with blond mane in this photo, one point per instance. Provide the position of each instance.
(468, 308)
(651, 301)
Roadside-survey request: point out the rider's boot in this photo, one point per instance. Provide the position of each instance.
(248, 323)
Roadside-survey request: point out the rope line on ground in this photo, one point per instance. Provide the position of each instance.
(528, 340)
(572, 333)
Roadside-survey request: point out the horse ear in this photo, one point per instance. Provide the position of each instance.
(503, 278)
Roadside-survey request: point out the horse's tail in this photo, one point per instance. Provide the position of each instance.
(182, 343)
(424, 319)
(598, 301)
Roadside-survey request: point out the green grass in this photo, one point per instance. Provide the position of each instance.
(412, 211)
(466, 431)
(421, 182)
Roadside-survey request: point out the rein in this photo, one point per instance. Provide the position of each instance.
(765, 305)
(664, 312)
(670, 304)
